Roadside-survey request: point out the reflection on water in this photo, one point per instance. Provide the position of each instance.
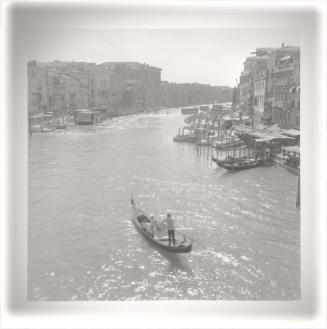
(83, 245)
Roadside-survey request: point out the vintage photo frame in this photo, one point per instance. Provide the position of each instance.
(310, 310)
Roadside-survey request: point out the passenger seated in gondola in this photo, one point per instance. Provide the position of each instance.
(145, 224)
(152, 226)
(142, 219)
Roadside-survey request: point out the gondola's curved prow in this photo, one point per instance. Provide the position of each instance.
(183, 243)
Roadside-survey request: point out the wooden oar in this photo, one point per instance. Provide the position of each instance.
(199, 243)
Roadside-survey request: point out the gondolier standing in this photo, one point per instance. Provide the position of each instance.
(170, 228)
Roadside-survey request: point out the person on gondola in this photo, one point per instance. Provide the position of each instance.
(170, 228)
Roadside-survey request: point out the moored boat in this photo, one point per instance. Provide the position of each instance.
(239, 164)
(141, 222)
(202, 142)
(61, 126)
(189, 110)
(219, 145)
(218, 162)
(184, 138)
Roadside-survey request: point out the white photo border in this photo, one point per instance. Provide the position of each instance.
(18, 19)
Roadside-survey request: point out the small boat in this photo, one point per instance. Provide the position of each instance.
(239, 164)
(204, 108)
(61, 126)
(202, 142)
(189, 110)
(141, 220)
(184, 138)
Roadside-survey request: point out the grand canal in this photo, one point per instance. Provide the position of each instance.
(83, 246)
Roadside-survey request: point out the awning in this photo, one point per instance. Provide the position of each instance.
(291, 133)
(261, 140)
(285, 58)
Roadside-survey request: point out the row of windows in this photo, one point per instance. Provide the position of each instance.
(283, 96)
(103, 92)
(283, 75)
(37, 84)
(58, 91)
(244, 93)
(260, 85)
(260, 102)
(286, 116)
(281, 115)
(35, 99)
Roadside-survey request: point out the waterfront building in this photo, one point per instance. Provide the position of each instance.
(236, 97)
(247, 87)
(133, 98)
(117, 88)
(260, 77)
(70, 88)
(37, 95)
(286, 92)
(270, 87)
(99, 88)
(82, 94)
(141, 82)
(56, 90)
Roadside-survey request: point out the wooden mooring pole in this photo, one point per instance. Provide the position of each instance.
(298, 192)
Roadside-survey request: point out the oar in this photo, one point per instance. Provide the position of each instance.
(199, 243)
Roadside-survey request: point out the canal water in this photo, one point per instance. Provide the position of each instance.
(83, 246)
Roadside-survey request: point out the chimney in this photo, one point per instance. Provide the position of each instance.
(283, 44)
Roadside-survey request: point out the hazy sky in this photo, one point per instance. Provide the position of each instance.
(213, 56)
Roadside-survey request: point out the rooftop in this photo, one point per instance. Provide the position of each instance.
(129, 64)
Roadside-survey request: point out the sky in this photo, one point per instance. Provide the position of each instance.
(209, 56)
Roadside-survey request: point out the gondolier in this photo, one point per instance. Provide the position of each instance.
(170, 228)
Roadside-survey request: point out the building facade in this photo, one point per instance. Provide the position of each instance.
(118, 87)
(37, 93)
(270, 86)
(141, 85)
(286, 100)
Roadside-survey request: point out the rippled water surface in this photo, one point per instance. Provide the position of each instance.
(83, 246)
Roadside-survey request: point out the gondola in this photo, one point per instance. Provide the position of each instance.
(140, 219)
